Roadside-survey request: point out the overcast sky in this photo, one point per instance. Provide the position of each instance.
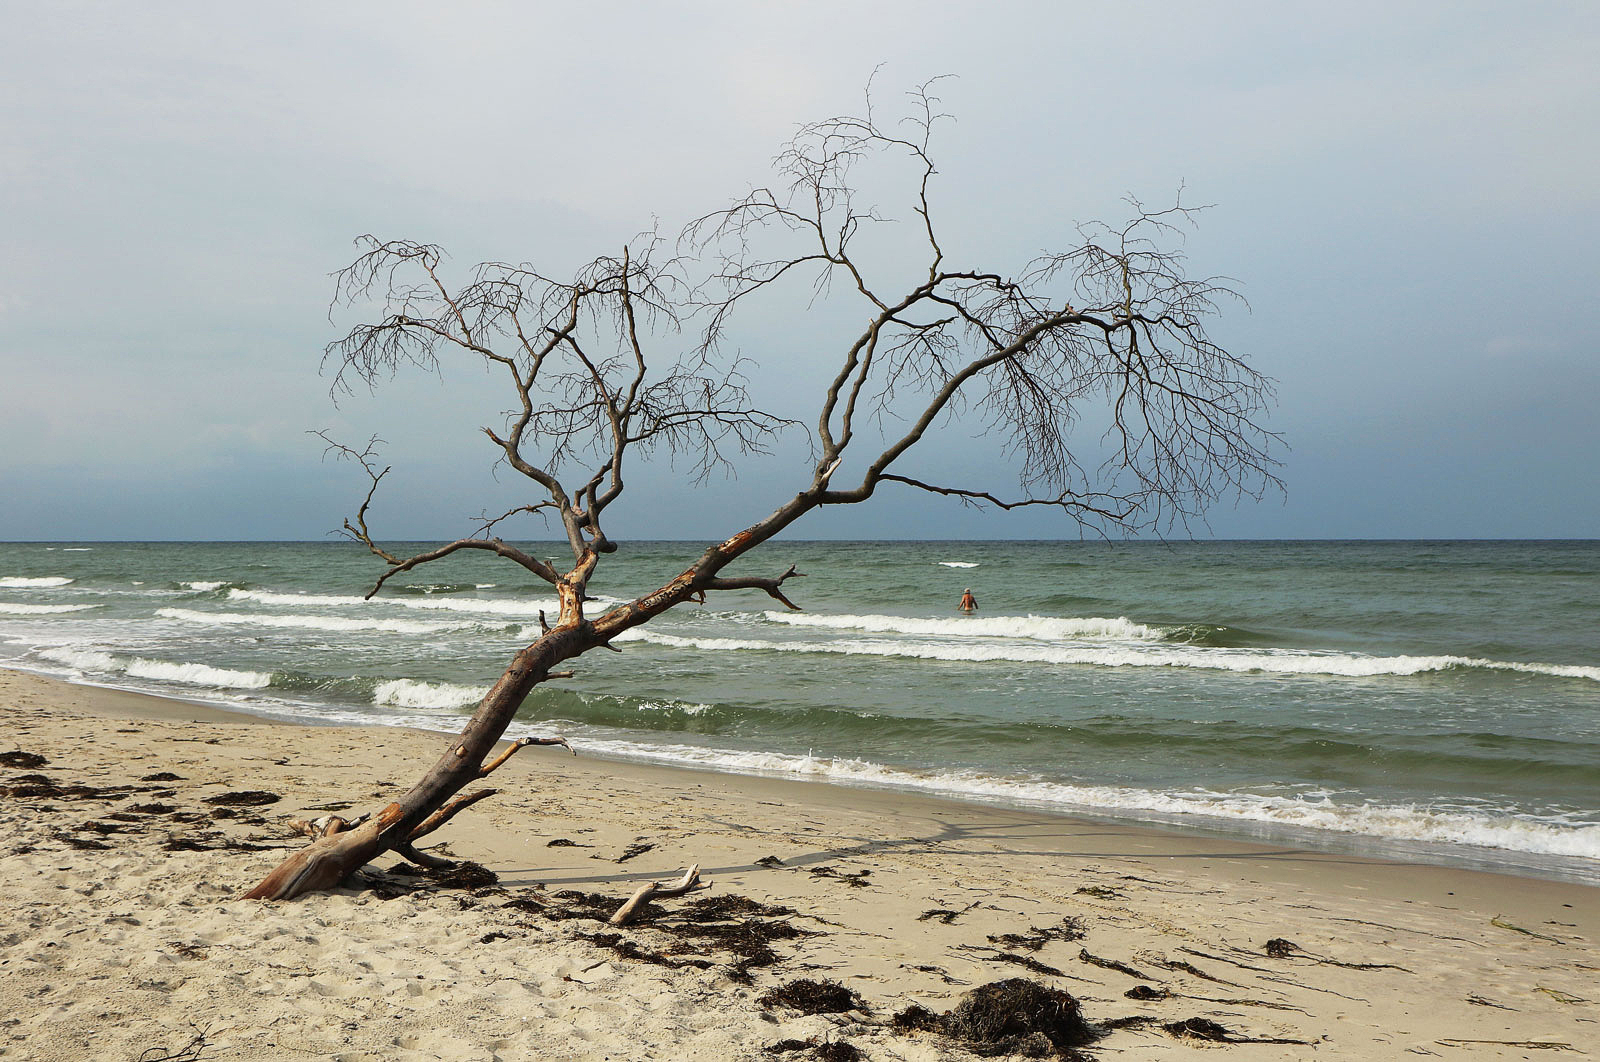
(1405, 192)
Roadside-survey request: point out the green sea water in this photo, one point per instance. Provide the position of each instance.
(1433, 700)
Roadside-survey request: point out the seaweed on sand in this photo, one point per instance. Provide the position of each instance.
(1069, 929)
(812, 997)
(827, 1050)
(1014, 1016)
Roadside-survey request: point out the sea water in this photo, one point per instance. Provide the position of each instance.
(1427, 700)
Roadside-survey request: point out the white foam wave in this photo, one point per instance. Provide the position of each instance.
(1276, 661)
(203, 585)
(1044, 628)
(198, 674)
(1395, 822)
(11, 608)
(408, 693)
(82, 659)
(24, 582)
(314, 623)
(160, 670)
(959, 564)
(492, 607)
(77, 549)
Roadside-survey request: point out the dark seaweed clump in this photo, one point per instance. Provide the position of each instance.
(244, 798)
(827, 1050)
(1014, 1016)
(813, 997)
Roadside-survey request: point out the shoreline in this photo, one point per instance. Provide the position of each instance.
(1225, 831)
(905, 899)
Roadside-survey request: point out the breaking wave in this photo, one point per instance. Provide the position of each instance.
(11, 608)
(314, 623)
(26, 582)
(1042, 628)
(1280, 662)
(520, 609)
(408, 693)
(90, 660)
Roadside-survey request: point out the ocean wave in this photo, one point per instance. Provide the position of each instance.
(314, 623)
(1277, 662)
(26, 582)
(160, 670)
(958, 564)
(12, 608)
(526, 609)
(1453, 827)
(203, 585)
(1042, 628)
(409, 693)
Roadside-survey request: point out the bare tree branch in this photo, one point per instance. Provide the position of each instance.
(622, 361)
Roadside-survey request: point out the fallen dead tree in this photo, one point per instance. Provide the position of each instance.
(622, 362)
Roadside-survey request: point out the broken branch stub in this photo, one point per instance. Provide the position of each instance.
(690, 882)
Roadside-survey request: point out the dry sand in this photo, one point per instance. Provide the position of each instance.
(121, 936)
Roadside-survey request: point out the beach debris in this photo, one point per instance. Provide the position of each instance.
(1068, 930)
(1198, 1029)
(946, 916)
(939, 972)
(1480, 1001)
(1213, 1032)
(741, 927)
(464, 875)
(243, 798)
(629, 949)
(26, 788)
(82, 843)
(1111, 964)
(813, 997)
(769, 861)
(1027, 962)
(1190, 969)
(1526, 1045)
(856, 879)
(1279, 948)
(1501, 923)
(688, 883)
(827, 1050)
(729, 906)
(1014, 1016)
(562, 842)
(1099, 892)
(1560, 996)
(189, 1052)
(633, 850)
(24, 760)
(1146, 992)
(162, 776)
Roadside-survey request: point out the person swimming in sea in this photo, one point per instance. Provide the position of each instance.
(968, 602)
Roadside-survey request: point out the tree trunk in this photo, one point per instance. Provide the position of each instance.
(328, 861)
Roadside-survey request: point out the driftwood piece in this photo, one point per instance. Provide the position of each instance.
(630, 910)
(326, 826)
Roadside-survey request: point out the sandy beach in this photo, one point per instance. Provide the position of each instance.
(122, 937)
